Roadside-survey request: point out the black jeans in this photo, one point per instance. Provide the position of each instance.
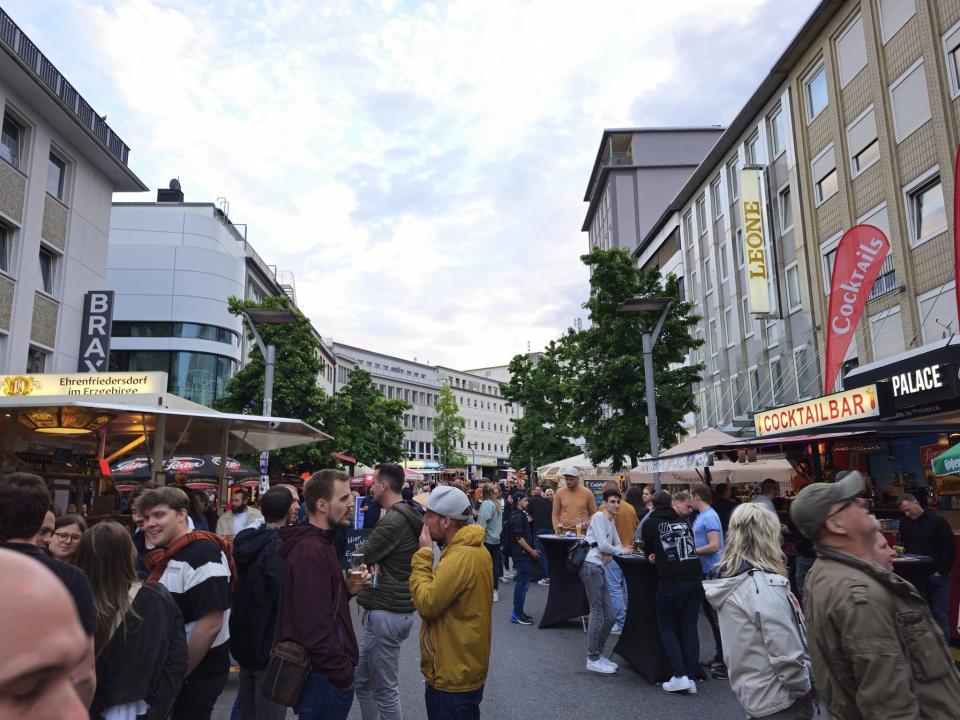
(678, 607)
(443, 705)
(200, 691)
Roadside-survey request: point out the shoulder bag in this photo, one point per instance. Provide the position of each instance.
(577, 555)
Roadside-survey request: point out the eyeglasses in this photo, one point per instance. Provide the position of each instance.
(67, 537)
(845, 504)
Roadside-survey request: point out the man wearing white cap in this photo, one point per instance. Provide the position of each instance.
(455, 601)
(573, 503)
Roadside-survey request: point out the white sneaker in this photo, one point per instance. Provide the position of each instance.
(692, 690)
(505, 579)
(677, 684)
(609, 662)
(496, 596)
(544, 581)
(617, 629)
(598, 666)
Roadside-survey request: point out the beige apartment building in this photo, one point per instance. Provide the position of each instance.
(875, 123)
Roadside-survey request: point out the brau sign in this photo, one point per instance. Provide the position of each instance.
(754, 241)
(857, 404)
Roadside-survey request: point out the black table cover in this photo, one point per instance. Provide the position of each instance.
(639, 642)
(916, 569)
(567, 598)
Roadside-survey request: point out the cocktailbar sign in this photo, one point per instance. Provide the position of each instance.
(859, 404)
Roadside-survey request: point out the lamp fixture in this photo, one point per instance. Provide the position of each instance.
(63, 420)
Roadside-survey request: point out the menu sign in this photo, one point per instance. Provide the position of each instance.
(858, 404)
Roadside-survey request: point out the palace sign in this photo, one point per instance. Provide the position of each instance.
(857, 404)
(84, 384)
(754, 242)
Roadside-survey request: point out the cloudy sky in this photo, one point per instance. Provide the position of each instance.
(419, 166)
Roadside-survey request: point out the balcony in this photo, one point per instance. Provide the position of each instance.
(30, 55)
(618, 158)
(886, 280)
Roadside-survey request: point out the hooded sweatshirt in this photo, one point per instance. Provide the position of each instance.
(316, 603)
(256, 602)
(670, 538)
(764, 639)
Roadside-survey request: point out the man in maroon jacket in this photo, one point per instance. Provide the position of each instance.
(316, 599)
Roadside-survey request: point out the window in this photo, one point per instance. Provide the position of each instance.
(785, 209)
(851, 51)
(772, 333)
(6, 242)
(886, 333)
(756, 401)
(704, 413)
(938, 312)
(815, 92)
(722, 260)
(733, 179)
(776, 380)
(951, 51)
(824, 169)
(805, 372)
(729, 332)
(745, 318)
(828, 252)
(11, 141)
(718, 395)
(198, 377)
(777, 124)
(56, 172)
(794, 302)
(927, 213)
(715, 199)
(735, 400)
(894, 15)
(887, 277)
(702, 214)
(36, 361)
(688, 232)
(750, 149)
(707, 277)
(738, 248)
(714, 338)
(48, 270)
(862, 142)
(911, 105)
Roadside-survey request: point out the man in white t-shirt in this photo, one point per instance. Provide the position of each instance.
(240, 516)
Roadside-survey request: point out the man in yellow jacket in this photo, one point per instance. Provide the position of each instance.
(455, 601)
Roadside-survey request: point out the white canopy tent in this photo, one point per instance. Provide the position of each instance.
(552, 471)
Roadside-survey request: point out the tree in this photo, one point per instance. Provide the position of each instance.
(448, 426)
(364, 424)
(604, 362)
(542, 432)
(295, 390)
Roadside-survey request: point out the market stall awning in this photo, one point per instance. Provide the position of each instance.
(344, 458)
(580, 462)
(723, 471)
(693, 452)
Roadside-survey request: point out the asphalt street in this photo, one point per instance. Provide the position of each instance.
(541, 674)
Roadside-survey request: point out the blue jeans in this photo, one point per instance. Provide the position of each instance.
(322, 701)
(443, 705)
(544, 567)
(939, 586)
(617, 587)
(678, 608)
(521, 583)
(803, 567)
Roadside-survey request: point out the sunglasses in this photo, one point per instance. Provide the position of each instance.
(845, 504)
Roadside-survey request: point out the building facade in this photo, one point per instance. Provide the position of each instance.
(173, 266)
(61, 163)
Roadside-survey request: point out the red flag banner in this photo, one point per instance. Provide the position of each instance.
(860, 255)
(956, 225)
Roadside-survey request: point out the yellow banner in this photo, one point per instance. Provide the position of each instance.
(83, 384)
(754, 241)
(839, 407)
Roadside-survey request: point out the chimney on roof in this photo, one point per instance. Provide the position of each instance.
(172, 195)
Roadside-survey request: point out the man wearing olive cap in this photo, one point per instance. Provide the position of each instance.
(876, 651)
(455, 601)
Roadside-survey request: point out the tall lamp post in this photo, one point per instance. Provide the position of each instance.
(648, 305)
(251, 319)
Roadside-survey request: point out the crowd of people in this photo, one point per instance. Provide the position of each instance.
(145, 623)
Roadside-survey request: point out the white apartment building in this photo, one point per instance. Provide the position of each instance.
(61, 164)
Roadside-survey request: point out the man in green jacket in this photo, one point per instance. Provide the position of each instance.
(388, 607)
(877, 652)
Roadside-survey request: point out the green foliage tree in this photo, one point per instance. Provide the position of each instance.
(603, 363)
(448, 426)
(295, 390)
(542, 433)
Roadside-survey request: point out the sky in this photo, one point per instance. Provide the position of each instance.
(419, 166)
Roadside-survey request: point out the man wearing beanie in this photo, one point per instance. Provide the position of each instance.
(875, 648)
(455, 601)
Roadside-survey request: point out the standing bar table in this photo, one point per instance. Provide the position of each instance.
(566, 598)
(915, 569)
(639, 642)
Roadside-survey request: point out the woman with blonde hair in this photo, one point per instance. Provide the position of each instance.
(490, 518)
(764, 638)
(140, 644)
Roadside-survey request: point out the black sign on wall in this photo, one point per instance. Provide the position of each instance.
(95, 334)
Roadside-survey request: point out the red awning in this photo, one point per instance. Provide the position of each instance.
(344, 458)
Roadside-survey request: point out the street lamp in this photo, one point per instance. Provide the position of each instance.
(648, 305)
(251, 317)
(472, 447)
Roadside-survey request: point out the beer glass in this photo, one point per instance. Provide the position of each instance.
(356, 566)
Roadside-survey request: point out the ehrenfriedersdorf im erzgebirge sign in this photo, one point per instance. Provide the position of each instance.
(754, 241)
(84, 384)
(857, 404)
(860, 255)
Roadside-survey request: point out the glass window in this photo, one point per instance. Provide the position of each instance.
(828, 258)
(11, 141)
(728, 330)
(738, 248)
(826, 186)
(722, 259)
(894, 15)
(793, 287)
(786, 210)
(48, 270)
(755, 397)
(733, 179)
(750, 149)
(736, 400)
(928, 216)
(938, 313)
(911, 104)
(718, 394)
(777, 132)
(707, 276)
(772, 331)
(886, 333)
(36, 361)
(745, 318)
(702, 214)
(715, 198)
(951, 49)
(776, 380)
(815, 89)
(198, 377)
(805, 372)
(56, 172)
(6, 241)
(851, 51)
